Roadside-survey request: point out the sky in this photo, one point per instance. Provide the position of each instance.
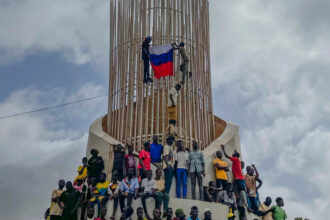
(270, 63)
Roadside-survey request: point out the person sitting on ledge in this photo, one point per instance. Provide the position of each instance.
(102, 191)
(227, 196)
(148, 190)
(118, 161)
(128, 188)
(114, 193)
(82, 171)
(144, 161)
(95, 165)
(194, 213)
(211, 193)
(139, 214)
(130, 159)
(221, 167)
(160, 191)
(207, 214)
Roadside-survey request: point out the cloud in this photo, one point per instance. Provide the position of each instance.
(78, 29)
(40, 148)
(270, 63)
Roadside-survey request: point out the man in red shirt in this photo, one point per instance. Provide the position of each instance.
(144, 161)
(239, 180)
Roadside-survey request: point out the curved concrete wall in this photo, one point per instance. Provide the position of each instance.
(100, 140)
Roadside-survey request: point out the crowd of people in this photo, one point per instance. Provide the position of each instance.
(132, 178)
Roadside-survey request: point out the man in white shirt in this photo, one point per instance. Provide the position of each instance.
(172, 102)
(148, 188)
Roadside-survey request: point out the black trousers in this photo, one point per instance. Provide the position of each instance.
(146, 196)
(193, 176)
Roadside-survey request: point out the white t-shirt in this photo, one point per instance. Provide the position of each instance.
(174, 94)
(181, 157)
(148, 185)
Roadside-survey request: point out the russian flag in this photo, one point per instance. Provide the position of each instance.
(161, 59)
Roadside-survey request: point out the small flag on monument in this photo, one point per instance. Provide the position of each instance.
(161, 59)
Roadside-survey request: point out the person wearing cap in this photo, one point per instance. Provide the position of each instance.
(144, 161)
(179, 215)
(207, 214)
(95, 165)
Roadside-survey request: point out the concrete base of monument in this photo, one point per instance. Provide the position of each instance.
(100, 140)
(219, 211)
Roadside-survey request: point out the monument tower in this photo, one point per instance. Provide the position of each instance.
(137, 111)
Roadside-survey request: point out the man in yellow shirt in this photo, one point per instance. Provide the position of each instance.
(221, 167)
(264, 207)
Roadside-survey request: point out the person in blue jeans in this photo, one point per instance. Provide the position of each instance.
(181, 157)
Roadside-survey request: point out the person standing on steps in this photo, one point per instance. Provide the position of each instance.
(146, 59)
(239, 180)
(156, 151)
(196, 170)
(95, 165)
(144, 161)
(55, 212)
(180, 157)
(168, 163)
(118, 161)
(130, 160)
(70, 199)
(221, 168)
(251, 187)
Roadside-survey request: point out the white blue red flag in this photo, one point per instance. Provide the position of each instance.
(161, 59)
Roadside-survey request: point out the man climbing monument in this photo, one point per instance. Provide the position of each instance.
(146, 59)
(185, 61)
(172, 102)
